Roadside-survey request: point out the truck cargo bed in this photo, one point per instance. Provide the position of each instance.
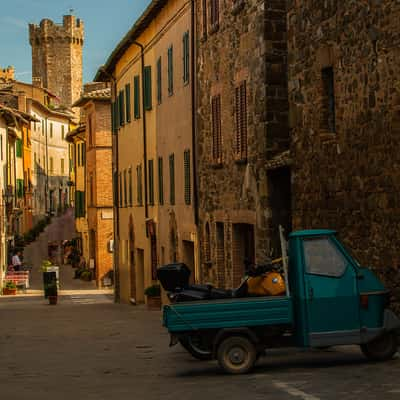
(228, 313)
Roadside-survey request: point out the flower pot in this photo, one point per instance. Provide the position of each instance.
(9, 292)
(53, 300)
(153, 302)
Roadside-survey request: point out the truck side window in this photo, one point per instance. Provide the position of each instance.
(323, 258)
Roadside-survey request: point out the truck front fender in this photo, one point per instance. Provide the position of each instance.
(391, 321)
(224, 333)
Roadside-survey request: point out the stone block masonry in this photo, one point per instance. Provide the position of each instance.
(57, 57)
(344, 91)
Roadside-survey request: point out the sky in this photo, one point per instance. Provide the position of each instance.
(106, 23)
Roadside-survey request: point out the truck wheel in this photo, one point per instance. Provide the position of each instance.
(236, 355)
(195, 346)
(382, 348)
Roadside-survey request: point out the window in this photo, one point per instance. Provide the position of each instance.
(128, 102)
(139, 185)
(130, 186)
(62, 166)
(114, 116)
(214, 13)
(328, 121)
(18, 148)
(42, 127)
(186, 57)
(78, 148)
(79, 204)
(241, 121)
(120, 190)
(170, 71)
(204, 14)
(159, 81)
(322, 257)
(62, 132)
(160, 181)
(216, 129)
(83, 154)
(125, 190)
(172, 179)
(51, 165)
(20, 188)
(186, 169)
(136, 97)
(151, 182)
(121, 103)
(51, 129)
(147, 88)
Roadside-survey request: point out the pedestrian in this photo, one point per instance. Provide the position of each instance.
(16, 261)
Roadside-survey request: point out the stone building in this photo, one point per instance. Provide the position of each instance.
(95, 104)
(153, 126)
(242, 134)
(344, 90)
(57, 57)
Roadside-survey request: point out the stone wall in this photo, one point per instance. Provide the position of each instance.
(57, 57)
(348, 179)
(248, 44)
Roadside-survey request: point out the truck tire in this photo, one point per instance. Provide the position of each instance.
(193, 345)
(382, 348)
(236, 355)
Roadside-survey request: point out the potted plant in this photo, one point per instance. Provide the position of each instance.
(153, 297)
(52, 293)
(10, 288)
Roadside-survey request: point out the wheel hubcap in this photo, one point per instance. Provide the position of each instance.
(237, 355)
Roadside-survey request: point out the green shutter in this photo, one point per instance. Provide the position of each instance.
(139, 185)
(159, 82)
(172, 179)
(128, 102)
(121, 108)
(136, 97)
(160, 181)
(130, 187)
(147, 88)
(186, 168)
(20, 188)
(170, 71)
(151, 182)
(18, 148)
(83, 153)
(186, 57)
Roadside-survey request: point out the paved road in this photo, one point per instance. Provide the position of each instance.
(86, 348)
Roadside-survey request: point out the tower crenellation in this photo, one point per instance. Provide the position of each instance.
(57, 57)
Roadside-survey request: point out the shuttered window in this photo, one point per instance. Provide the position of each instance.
(128, 102)
(170, 71)
(172, 179)
(83, 153)
(159, 81)
(241, 121)
(216, 129)
(187, 181)
(20, 188)
(185, 57)
(151, 182)
(79, 204)
(121, 105)
(139, 185)
(204, 15)
(136, 97)
(160, 181)
(130, 186)
(18, 148)
(148, 103)
(214, 13)
(120, 189)
(125, 190)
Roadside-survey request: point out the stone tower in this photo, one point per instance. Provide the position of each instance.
(57, 57)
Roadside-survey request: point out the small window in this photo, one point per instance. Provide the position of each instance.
(139, 185)
(151, 182)
(172, 179)
(216, 129)
(170, 71)
(322, 257)
(186, 50)
(136, 97)
(187, 183)
(147, 88)
(128, 102)
(160, 181)
(241, 121)
(130, 186)
(121, 103)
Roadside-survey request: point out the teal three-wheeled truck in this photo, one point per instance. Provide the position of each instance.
(330, 300)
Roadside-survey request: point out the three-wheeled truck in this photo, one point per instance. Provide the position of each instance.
(330, 300)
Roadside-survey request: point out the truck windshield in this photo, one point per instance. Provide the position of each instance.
(349, 252)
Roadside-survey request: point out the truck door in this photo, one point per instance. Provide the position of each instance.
(331, 294)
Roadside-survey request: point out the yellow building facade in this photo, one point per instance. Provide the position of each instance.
(151, 72)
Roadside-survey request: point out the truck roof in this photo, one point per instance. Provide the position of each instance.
(312, 232)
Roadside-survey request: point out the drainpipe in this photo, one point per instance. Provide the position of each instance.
(146, 210)
(47, 170)
(194, 124)
(115, 171)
